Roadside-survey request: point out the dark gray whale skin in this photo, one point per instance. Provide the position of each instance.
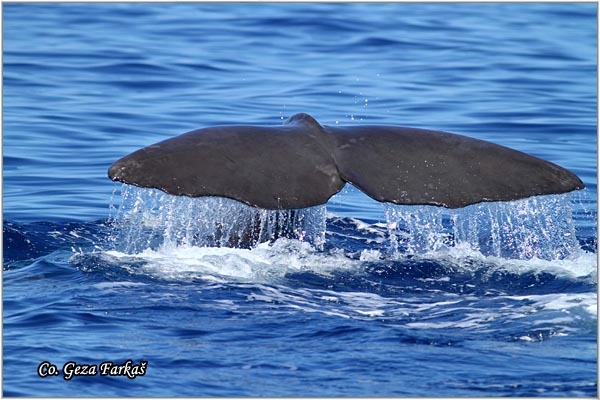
(302, 164)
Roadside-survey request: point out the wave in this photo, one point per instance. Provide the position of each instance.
(465, 299)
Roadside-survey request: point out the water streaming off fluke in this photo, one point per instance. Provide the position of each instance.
(538, 227)
(149, 218)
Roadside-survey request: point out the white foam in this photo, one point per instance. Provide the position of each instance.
(260, 270)
(269, 262)
(370, 255)
(565, 302)
(580, 264)
(265, 263)
(117, 285)
(570, 305)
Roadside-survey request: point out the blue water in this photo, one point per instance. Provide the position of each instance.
(492, 300)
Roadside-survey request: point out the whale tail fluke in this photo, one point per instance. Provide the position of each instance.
(302, 164)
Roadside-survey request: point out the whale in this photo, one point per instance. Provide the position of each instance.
(302, 163)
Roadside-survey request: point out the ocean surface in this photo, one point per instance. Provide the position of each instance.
(110, 290)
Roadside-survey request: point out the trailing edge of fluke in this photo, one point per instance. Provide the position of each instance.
(302, 164)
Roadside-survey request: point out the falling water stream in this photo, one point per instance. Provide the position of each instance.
(149, 218)
(538, 227)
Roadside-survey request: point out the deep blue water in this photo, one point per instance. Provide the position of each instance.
(393, 303)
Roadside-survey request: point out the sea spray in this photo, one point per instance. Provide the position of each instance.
(149, 219)
(537, 227)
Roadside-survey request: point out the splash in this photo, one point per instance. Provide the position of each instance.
(149, 219)
(538, 227)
